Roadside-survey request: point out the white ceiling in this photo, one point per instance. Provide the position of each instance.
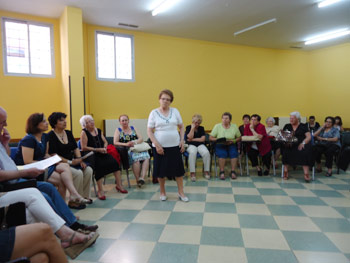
(211, 20)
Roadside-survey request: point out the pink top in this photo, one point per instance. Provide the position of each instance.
(264, 145)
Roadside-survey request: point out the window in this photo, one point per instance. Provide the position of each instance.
(28, 48)
(114, 56)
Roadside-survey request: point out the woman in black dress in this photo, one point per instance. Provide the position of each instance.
(92, 139)
(299, 153)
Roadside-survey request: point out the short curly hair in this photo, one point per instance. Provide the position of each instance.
(55, 117)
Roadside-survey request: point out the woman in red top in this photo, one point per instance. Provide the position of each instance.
(262, 147)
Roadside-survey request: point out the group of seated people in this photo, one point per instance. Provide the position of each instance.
(75, 174)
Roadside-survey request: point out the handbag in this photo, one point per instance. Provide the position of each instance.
(287, 138)
(13, 215)
(140, 147)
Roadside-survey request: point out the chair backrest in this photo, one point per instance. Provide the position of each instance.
(79, 144)
(345, 139)
(13, 152)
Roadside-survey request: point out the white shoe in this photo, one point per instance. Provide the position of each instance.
(163, 198)
(193, 178)
(183, 199)
(207, 176)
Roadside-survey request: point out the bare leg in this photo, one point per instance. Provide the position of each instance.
(66, 176)
(100, 191)
(55, 179)
(162, 186)
(222, 164)
(41, 240)
(233, 164)
(136, 168)
(39, 258)
(306, 173)
(180, 186)
(285, 171)
(144, 168)
(118, 179)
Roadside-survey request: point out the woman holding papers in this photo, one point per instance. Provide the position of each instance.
(226, 135)
(34, 147)
(62, 143)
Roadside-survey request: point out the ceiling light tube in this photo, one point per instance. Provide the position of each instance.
(165, 5)
(328, 36)
(255, 26)
(327, 3)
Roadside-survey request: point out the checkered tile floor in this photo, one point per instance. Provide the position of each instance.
(252, 219)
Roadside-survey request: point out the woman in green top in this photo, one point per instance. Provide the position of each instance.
(226, 148)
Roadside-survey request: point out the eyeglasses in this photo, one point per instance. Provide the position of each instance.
(165, 99)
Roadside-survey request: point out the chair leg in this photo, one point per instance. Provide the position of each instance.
(240, 164)
(247, 163)
(127, 177)
(216, 169)
(282, 172)
(273, 163)
(313, 173)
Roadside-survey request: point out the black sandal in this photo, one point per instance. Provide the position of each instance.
(222, 175)
(328, 174)
(233, 175)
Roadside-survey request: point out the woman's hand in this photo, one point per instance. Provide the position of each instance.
(182, 146)
(159, 150)
(83, 165)
(130, 144)
(101, 150)
(301, 146)
(75, 162)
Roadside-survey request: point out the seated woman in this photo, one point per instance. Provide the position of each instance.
(263, 147)
(338, 123)
(313, 125)
(328, 144)
(62, 143)
(195, 138)
(92, 139)
(38, 210)
(299, 153)
(272, 130)
(125, 137)
(228, 149)
(34, 147)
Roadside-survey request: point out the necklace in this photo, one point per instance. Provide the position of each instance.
(61, 137)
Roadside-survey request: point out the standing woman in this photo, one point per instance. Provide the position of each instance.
(162, 129)
(92, 139)
(127, 136)
(299, 153)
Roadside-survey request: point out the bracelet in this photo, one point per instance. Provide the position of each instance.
(69, 162)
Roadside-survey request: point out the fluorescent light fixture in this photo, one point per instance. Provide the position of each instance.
(327, 3)
(165, 5)
(255, 26)
(328, 36)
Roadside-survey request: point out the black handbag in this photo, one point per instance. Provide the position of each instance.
(13, 215)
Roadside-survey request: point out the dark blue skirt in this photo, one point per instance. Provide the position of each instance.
(7, 243)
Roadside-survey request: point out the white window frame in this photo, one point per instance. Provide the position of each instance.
(28, 22)
(114, 34)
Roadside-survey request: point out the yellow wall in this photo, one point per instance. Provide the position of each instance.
(22, 96)
(330, 82)
(206, 78)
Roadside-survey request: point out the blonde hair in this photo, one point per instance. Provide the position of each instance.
(84, 119)
(197, 117)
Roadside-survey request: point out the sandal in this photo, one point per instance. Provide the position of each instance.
(76, 205)
(233, 175)
(328, 174)
(285, 175)
(307, 178)
(74, 250)
(222, 175)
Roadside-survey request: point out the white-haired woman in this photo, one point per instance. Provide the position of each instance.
(299, 153)
(195, 138)
(272, 130)
(92, 139)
